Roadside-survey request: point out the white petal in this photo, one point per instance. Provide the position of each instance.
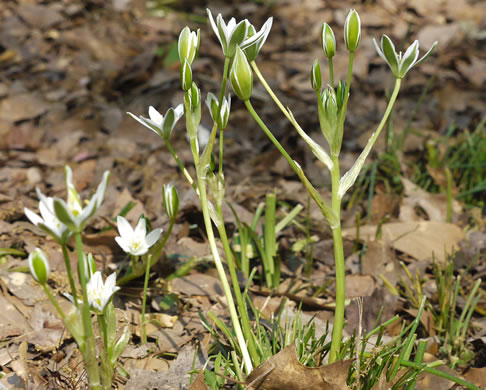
(179, 112)
(153, 236)
(155, 116)
(141, 228)
(122, 244)
(124, 228)
(33, 217)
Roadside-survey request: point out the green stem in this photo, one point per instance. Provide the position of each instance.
(181, 166)
(89, 355)
(221, 97)
(67, 262)
(222, 275)
(54, 302)
(242, 309)
(270, 91)
(337, 330)
(145, 282)
(440, 374)
(106, 370)
(326, 211)
(331, 72)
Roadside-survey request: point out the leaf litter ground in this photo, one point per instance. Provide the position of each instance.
(70, 71)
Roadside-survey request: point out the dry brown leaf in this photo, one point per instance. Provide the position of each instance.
(477, 376)
(359, 286)
(22, 107)
(199, 383)
(435, 205)
(283, 371)
(421, 240)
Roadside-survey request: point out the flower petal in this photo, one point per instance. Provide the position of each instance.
(124, 228)
(153, 236)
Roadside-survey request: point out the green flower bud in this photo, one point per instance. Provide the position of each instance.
(170, 200)
(341, 90)
(188, 45)
(316, 80)
(352, 31)
(328, 114)
(39, 266)
(186, 75)
(87, 266)
(328, 41)
(220, 117)
(241, 76)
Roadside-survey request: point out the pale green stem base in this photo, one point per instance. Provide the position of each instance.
(67, 262)
(145, 283)
(89, 355)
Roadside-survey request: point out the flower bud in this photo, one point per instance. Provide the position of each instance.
(316, 80)
(88, 266)
(39, 266)
(328, 114)
(186, 75)
(220, 117)
(170, 200)
(212, 103)
(328, 41)
(188, 45)
(341, 90)
(241, 76)
(352, 31)
(194, 95)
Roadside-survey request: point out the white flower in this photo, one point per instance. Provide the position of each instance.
(159, 124)
(400, 64)
(48, 221)
(255, 40)
(99, 293)
(229, 35)
(72, 213)
(135, 242)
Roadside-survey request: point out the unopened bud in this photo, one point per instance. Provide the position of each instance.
(186, 75)
(39, 266)
(352, 31)
(241, 76)
(328, 41)
(170, 199)
(316, 80)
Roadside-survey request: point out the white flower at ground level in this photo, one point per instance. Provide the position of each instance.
(135, 242)
(158, 123)
(99, 293)
(71, 212)
(48, 221)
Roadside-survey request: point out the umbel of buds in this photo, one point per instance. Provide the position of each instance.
(352, 31)
(241, 76)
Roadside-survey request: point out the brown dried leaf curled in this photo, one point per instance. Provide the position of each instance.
(283, 371)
